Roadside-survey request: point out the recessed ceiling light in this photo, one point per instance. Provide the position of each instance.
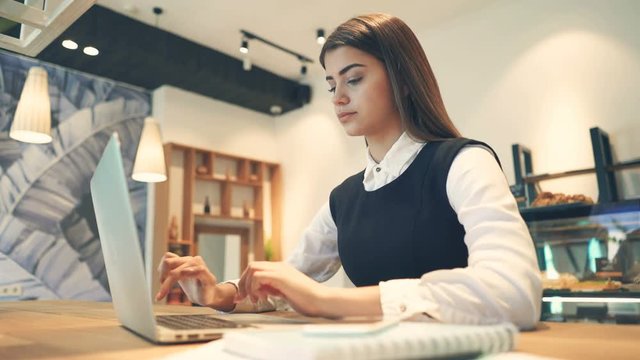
(70, 44)
(91, 51)
(276, 109)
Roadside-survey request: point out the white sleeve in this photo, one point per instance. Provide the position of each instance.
(317, 251)
(502, 280)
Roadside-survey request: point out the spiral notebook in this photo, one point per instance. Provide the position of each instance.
(408, 340)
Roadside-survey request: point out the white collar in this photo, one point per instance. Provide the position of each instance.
(395, 161)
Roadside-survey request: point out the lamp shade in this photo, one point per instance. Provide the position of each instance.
(149, 165)
(32, 120)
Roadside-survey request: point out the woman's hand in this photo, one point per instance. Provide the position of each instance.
(192, 274)
(263, 278)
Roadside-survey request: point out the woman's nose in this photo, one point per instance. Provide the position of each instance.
(339, 97)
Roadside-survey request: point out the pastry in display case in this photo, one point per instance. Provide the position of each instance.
(546, 198)
(589, 257)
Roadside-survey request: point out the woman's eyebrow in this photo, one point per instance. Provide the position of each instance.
(345, 69)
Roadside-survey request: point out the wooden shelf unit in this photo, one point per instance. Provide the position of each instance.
(236, 189)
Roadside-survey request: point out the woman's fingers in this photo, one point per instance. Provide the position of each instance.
(301, 292)
(168, 262)
(167, 279)
(183, 271)
(170, 254)
(167, 255)
(265, 283)
(258, 286)
(241, 294)
(246, 280)
(262, 279)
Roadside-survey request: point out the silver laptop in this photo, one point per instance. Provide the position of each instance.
(125, 270)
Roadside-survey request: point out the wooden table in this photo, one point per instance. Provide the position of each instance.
(80, 330)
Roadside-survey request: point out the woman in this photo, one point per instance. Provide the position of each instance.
(429, 228)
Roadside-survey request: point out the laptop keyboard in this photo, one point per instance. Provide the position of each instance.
(187, 322)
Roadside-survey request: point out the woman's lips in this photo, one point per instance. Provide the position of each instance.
(344, 116)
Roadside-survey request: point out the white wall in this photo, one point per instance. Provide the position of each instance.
(195, 120)
(541, 73)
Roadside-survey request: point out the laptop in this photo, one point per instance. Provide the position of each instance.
(125, 270)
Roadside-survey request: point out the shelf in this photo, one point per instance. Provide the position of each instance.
(230, 181)
(567, 228)
(623, 165)
(592, 294)
(177, 297)
(564, 211)
(573, 228)
(535, 178)
(182, 248)
(225, 217)
(615, 167)
(184, 242)
(560, 211)
(539, 244)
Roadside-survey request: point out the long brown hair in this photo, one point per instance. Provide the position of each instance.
(415, 89)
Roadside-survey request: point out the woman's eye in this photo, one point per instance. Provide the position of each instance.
(354, 81)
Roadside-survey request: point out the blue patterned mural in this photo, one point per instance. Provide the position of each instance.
(49, 246)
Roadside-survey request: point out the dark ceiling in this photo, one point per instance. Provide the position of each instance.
(142, 55)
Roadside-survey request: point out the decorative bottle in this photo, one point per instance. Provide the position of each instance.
(207, 206)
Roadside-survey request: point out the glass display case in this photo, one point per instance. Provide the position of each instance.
(589, 256)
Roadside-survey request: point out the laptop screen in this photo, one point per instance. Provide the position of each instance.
(119, 240)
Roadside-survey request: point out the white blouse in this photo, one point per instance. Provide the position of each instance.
(502, 280)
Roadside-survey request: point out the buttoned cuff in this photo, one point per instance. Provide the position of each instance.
(406, 298)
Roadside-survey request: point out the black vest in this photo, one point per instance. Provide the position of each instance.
(407, 227)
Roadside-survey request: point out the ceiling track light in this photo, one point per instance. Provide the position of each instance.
(246, 36)
(320, 39)
(157, 11)
(244, 46)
